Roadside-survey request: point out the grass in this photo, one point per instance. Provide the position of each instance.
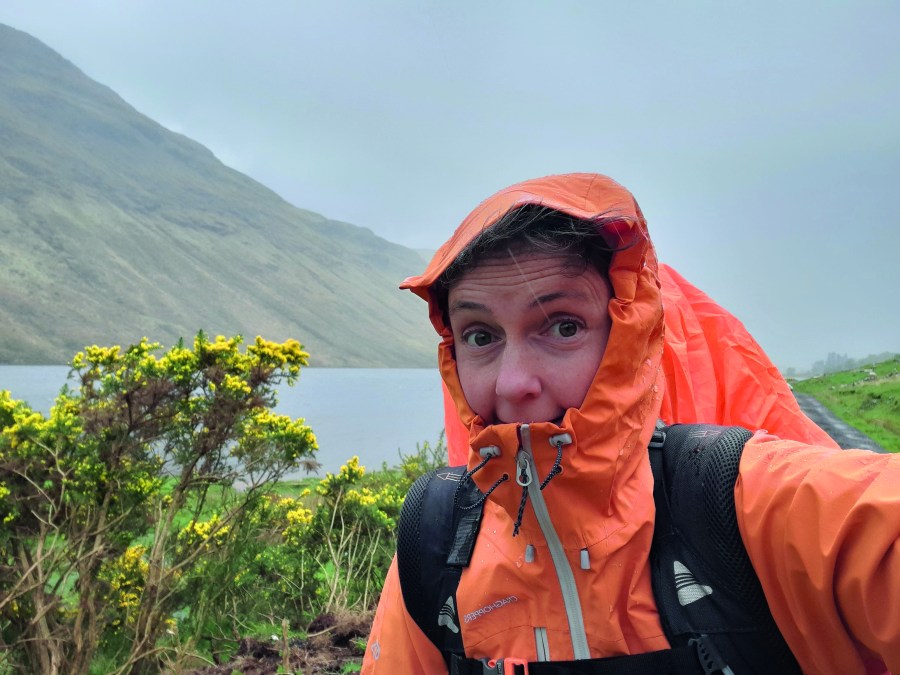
(867, 398)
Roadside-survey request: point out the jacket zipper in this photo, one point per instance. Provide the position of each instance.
(525, 461)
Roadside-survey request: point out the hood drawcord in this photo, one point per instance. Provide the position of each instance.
(524, 478)
(487, 453)
(557, 469)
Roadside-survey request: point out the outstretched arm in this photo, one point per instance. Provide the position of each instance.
(822, 528)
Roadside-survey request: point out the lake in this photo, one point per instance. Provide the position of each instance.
(370, 412)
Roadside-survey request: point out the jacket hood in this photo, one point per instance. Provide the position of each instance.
(612, 427)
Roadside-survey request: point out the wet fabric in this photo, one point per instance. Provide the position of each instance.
(821, 526)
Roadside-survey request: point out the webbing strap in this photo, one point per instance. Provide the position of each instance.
(464, 539)
(663, 524)
(678, 661)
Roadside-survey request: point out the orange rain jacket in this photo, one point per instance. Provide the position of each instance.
(821, 525)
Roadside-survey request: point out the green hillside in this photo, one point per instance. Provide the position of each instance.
(867, 398)
(113, 227)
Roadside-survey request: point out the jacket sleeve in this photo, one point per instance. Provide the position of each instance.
(396, 644)
(822, 528)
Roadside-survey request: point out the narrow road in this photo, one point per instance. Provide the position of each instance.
(842, 433)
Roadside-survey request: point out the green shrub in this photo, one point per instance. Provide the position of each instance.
(91, 496)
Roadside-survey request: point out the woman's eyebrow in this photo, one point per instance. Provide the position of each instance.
(461, 305)
(550, 297)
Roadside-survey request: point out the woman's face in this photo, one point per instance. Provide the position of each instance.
(529, 332)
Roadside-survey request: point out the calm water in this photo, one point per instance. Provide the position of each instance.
(370, 412)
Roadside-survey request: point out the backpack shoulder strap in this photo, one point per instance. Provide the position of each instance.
(439, 523)
(702, 577)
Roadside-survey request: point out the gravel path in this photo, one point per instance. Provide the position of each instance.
(842, 433)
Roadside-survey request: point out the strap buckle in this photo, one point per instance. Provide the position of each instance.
(710, 659)
(506, 666)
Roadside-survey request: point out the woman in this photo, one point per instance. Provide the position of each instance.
(553, 352)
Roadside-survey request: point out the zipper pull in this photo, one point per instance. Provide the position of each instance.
(523, 477)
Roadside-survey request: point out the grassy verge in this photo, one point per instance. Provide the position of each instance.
(867, 398)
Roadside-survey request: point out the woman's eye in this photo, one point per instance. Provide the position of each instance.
(478, 338)
(565, 329)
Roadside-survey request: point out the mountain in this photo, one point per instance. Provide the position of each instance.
(113, 227)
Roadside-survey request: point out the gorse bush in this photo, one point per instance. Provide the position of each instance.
(325, 549)
(123, 579)
(142, 521)
(91, 552)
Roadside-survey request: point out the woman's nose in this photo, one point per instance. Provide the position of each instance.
(517, 377)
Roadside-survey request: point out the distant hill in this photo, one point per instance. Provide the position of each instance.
(113, 227)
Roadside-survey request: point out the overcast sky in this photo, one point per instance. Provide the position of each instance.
(762, 140)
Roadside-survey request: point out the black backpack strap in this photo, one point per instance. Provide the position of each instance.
(439, 523)
(703, 581)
